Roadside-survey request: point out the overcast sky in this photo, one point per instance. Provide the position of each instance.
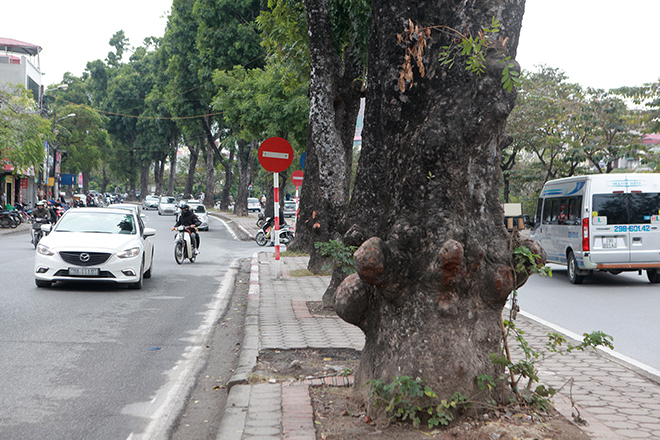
(598, 43)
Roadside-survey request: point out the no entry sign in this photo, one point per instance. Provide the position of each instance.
(275, 154)
(297, 178)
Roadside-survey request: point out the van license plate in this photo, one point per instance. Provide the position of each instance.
(609, 242)
(84, 271)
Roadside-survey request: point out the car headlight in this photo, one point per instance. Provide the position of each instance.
(45, 250)
(129, 253)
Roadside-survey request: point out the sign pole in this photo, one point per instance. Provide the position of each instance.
(275, 155)
(276, 213)
(297, 180)
(295, 223)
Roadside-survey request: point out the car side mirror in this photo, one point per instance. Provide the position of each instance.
(149, 232)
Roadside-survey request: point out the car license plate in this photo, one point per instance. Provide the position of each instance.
(609, 242)
(84, 271)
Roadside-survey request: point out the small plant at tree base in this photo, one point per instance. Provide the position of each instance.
(405, 399)
(339, 254)
(524, 261)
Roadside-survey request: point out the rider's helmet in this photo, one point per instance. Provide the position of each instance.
(185, 207)
(41, 203)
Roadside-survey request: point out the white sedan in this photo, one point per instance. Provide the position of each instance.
(96, 244)
(202, 215)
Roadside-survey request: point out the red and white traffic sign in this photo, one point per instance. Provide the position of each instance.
(275, 154)
(297, 178)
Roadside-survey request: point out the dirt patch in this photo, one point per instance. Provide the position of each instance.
(316, 309)
(304, 363)
(337, 417)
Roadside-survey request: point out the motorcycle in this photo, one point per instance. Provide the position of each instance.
(36, 231)
(183, 244)
(9, 219)
(286, 233)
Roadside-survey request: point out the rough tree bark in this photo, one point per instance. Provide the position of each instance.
(210, 175)
(190, 180)
(229, 178)
(170, 183)
(434, 263)
(245, 158)
(145, 167)
(334, 105)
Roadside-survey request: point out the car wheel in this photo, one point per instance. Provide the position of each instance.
(138, 284)
(178, 252)
(147, 274)
(573, 276)
(41, 283)
(653, 275)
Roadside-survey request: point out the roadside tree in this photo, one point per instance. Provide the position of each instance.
(434, 264)
(22, 129)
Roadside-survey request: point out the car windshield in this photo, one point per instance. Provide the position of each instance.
(253, 201)
(170, 200)
(96, 222)
(199, 209)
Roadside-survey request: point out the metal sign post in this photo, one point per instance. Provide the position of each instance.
(276, 155)
(297, 179)
(276, 211)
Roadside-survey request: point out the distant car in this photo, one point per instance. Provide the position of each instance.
(200, 212)
(96, 244)
(253, 204)
(167, 206)
(137, 209)
(150, 202)
(289, 209)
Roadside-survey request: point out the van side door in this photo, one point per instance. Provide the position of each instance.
(644, 227)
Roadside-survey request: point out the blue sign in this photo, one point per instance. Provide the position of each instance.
(302, 161)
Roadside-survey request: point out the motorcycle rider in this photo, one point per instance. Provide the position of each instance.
(41, 211)
(188, 218)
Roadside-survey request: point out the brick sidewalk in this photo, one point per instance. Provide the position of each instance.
(618, 400)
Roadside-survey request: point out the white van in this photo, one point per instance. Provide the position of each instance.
(607, 222)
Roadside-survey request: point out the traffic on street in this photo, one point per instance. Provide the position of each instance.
(102, 361)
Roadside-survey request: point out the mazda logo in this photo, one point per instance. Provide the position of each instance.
(84, 257)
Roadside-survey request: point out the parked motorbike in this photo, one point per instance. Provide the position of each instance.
(263, 236)
(9, 219)
(183, 244)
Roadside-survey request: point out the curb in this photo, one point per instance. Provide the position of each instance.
(250, 346)
(233, 225)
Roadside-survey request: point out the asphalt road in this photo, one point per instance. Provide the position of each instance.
(625, 306)
(101, 361)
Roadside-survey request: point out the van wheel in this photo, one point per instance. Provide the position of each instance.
(573, 276)
(653, 275)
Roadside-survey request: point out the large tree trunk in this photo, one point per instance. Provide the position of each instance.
(210, 175)
(145, 166)
(159, 173)
(245, 160)
(190, 181)
(335, 102)
(229, 177)
(170, 184)
(434, 268)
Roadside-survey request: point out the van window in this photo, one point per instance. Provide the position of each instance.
(574, 208)
(612, 206)
(643, 206)
(562, 211)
